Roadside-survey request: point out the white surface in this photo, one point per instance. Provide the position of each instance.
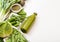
(47, 25)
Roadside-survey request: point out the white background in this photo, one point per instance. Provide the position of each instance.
(47, 25)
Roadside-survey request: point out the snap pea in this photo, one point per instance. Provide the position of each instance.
(28, 22)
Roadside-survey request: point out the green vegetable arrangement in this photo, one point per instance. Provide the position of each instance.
(18, 18)
(16, 36)
(12, 20)
(13, 35)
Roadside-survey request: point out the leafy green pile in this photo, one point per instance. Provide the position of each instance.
(6, 29)
(4, 7)
(16, 36)
(13, 35)
(15, 20)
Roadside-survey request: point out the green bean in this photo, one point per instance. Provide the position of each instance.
(17, 23)
(16, 20)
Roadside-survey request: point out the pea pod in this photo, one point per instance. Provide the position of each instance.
(28, 22)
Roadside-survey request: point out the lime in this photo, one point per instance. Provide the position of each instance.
(5, 29)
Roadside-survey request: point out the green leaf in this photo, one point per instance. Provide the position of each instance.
(22, 12)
